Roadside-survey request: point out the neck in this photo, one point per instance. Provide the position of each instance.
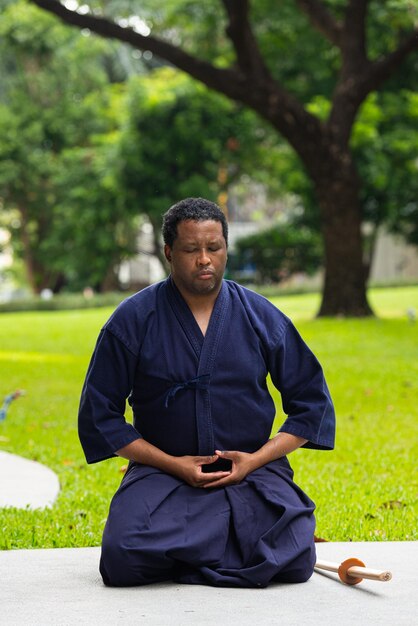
(201, 306)
(200, 303)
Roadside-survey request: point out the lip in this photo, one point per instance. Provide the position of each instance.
(205, 275)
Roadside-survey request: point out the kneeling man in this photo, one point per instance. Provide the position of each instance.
(207, 498)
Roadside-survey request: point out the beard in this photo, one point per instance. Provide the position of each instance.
(198, 286)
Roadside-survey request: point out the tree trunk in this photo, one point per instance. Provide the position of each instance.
(111, 281)
(28, 257)
(344, 290)
(369, 246)
(158, 249)
(58, 283)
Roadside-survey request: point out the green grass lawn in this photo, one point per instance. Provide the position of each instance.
(364, 490)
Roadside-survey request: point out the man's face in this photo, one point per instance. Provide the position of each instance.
(198, 257)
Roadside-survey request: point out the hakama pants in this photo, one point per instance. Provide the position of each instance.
(246, 535)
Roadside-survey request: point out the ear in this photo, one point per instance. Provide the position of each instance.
(167, 253)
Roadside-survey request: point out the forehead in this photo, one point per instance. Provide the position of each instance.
(198, 230)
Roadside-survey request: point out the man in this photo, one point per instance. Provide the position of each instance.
(207, 497)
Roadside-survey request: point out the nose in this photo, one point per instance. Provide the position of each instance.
(203, 258)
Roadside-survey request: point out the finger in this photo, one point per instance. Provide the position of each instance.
(207, 460)
(230, 478)
(225, 454)
(213, 476)
(221, 482)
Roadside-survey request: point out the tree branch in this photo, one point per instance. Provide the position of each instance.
(381, 70)
(224, 80)
(322, 20)
(267, 97)
(353, 36)
(360, 76)
(240, 33)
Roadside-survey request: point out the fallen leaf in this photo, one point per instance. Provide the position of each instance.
(369, 516)
(392, 504)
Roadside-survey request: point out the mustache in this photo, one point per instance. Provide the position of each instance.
(206, 271)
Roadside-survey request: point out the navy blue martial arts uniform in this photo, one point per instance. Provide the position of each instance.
(192, 394)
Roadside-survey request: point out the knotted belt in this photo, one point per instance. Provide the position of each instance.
(200, 382)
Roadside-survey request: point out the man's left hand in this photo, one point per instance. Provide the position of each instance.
(242, 464)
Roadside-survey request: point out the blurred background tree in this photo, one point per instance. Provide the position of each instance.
(277, 58)
(278, 253)
(60, 198)
(179, 139)
(84, 159)
(386, 149)
(87, 146)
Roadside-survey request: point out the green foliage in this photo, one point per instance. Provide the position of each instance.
(384, 147)
(365, 490)
(280, 252)
(307, 64)
(57, 123)
(81, 160)
(198, 26)
(386, 152)
(176, 138)
(77, 180)
(104, 231)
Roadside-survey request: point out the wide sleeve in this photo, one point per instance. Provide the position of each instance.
(101, 422)
(306, 400)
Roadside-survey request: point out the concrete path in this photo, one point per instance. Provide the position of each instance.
(25, 483)
(63, 588)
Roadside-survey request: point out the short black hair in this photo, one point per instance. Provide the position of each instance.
(197, 209)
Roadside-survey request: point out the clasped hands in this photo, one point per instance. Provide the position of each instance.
(189, 468)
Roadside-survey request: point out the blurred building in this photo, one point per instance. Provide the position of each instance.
(393, 259)
(145, 268)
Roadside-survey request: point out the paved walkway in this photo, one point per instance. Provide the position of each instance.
(25, 483)
(63, 588)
